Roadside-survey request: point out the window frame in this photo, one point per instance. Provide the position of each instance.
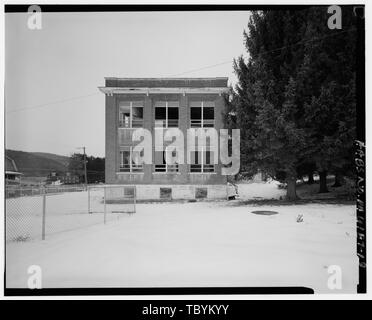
(166, 166)
(166, 114)
(202, 164)
(132, 166)
(131, 114)
(202, 124)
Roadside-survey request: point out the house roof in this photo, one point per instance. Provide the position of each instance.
(16, 173)
(10, 165)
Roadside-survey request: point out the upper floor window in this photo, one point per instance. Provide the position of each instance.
(127, 160)
(202, 114)
(131, 114)
(166, 114)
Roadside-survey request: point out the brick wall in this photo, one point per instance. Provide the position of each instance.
(114, 134)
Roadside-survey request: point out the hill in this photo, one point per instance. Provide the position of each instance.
(63, 160)
(38, 164)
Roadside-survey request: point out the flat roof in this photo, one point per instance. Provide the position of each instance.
(166, 83)
(182, 79)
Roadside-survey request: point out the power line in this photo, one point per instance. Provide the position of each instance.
(185, 72)
(52, 103)
(269, 51)
(202, 68)
(307, 41)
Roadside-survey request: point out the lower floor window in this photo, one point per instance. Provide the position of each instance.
(161, 164)
(202, 161)
(127, 160)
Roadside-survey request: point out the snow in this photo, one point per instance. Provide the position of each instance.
(262, 190)
(193, 244)
(65, 211)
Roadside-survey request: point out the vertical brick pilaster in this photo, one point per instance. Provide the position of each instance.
(148, 116)
(111, 140)
(183, 125)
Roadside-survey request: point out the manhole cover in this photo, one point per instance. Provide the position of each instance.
(265, 212)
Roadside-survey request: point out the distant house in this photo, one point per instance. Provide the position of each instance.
(55, 178)
(12, 175)
(69, 178)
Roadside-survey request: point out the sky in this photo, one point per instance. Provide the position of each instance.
(52, 103)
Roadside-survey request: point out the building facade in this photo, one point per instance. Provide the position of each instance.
(158, 104)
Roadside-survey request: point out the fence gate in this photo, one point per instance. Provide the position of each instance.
(112, 200)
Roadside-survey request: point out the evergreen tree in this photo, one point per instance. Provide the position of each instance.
(295, 98)
(327, 86)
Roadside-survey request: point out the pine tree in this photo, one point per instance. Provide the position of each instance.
(295, 98)
(265, 98)
(327, 86)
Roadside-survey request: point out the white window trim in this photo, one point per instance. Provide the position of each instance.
(130, 115)
(166, 115)
(130, 162)
(166, 167)
(202, 115)
(202, 163)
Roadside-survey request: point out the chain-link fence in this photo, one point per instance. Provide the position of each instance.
(33, 214)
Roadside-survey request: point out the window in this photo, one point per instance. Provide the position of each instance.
(202, 114)
(127, 160)
(160, 162)
(131, 114)
(166, 193)
(201, 193)
(166, 114)
(202, 161)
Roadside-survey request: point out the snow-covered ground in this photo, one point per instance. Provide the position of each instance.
(197, 244)
(64, 211)
(258, 191)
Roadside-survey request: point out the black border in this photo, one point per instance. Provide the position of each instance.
(360, 92)
(360, 158)
(159, 291)
(14, 8)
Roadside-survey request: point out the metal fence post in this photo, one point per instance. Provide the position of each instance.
(43, 217)
(88, 200)
(135, 198)
(104, 202)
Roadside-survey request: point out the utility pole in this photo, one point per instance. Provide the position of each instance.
(85, 167)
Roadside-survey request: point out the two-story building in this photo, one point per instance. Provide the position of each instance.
(159, 104)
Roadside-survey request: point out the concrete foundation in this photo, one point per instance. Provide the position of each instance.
(174, 192)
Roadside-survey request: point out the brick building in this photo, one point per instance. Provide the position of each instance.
(155, 103)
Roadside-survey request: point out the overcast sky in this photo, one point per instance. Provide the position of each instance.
(69, 57)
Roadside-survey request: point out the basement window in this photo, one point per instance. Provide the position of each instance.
(201, 193)
(166, 193)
